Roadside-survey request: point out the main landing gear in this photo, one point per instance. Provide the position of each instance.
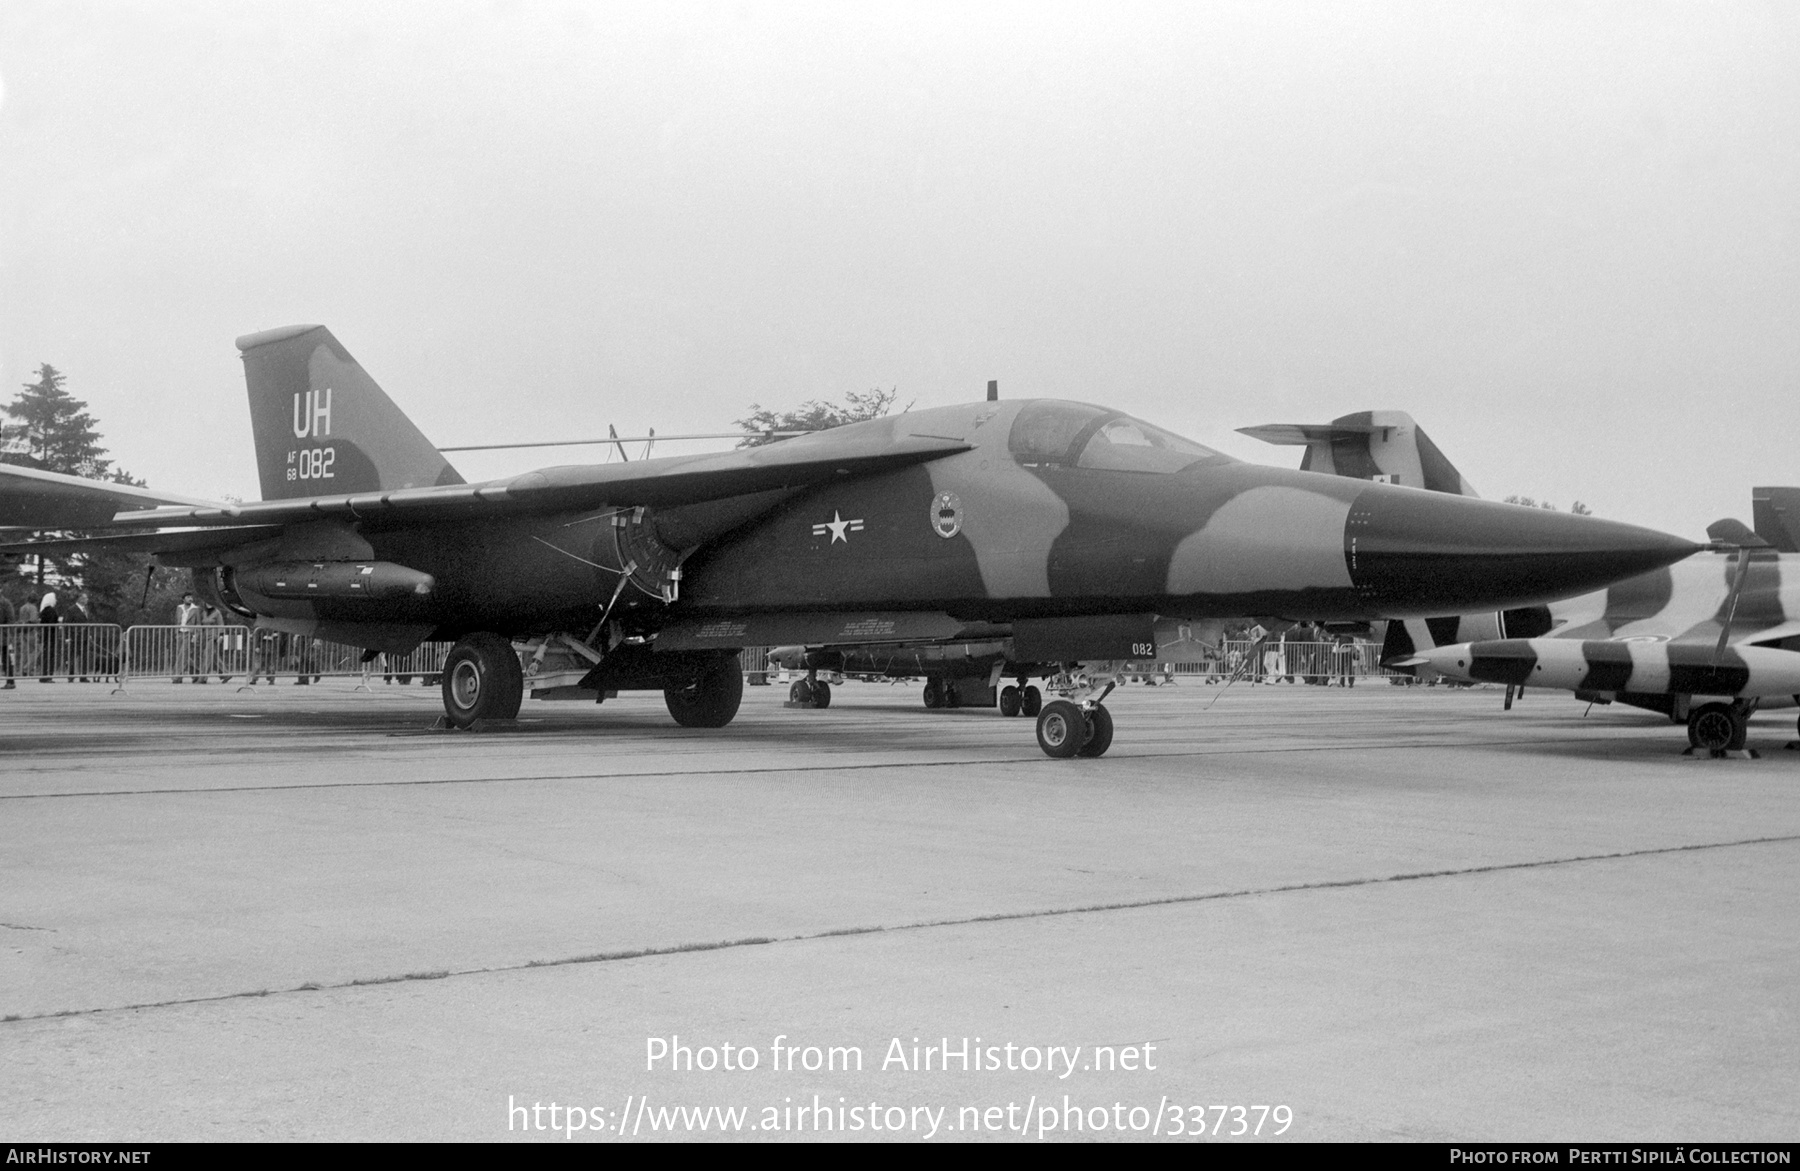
(1021, 700)
(810, 692)
(1718, 728)
(711, 698)
(482, 680)
(1079, 725)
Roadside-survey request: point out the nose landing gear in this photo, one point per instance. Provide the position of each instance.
(1078, 725)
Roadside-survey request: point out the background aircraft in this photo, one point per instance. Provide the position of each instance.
(1073, 524)
(1705, 641)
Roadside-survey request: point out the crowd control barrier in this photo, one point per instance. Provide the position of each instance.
(73, 651)
(1274, 661)
(201, 654)
(101, 652)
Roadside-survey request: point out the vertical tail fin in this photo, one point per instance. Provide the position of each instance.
(323, 427)
(1370, 445)
(1776, 514)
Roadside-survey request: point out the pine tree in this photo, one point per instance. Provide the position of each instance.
(54, 432)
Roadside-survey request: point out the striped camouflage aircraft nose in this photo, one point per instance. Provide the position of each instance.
(1414, 553)
(1629, 665)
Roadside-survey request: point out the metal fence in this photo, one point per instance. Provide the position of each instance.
(199, 654)
(75, 651)
(1273, 661)
(101, 652)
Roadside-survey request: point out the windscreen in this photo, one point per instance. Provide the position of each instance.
(1077, 435)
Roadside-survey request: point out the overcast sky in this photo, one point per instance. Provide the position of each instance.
(1565, 237)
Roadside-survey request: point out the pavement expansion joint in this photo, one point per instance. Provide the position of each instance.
(1088, 767)
(921, 925)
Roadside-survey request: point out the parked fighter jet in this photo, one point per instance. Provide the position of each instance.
(1072, 523)
(1706, 642)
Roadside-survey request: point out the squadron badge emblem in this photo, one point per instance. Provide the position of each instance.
(947, 514)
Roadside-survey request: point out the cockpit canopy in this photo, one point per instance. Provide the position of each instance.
(1076, 435)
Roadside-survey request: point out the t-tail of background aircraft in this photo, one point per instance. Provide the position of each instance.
(1384, 446)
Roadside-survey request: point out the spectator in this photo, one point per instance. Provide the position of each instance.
(1345, 653)
(212, 642)
(8, 616)
(47, 616)
(29, 636)
(1275, 661)
(1256, 637)
(187, 621)
(269, 653)
(75, 648)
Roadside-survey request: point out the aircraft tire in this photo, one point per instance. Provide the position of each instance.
(801, 693)
(482, 680)
(1717, 727)
(1061, 729)
(1100, 732)
(1009, 701)
(934, 695)
(821, 694)
(711, 698)
(1031, 701)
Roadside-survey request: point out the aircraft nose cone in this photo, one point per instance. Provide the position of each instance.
(1420, 553)
(1507, 660)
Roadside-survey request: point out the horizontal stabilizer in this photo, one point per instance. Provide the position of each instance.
(1731, 531)
(1302, 434)
(1369, 445)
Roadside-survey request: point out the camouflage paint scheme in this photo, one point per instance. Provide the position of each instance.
(1073, 523)
(1374, 446)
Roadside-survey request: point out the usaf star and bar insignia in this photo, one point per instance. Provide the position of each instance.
(837, 526)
